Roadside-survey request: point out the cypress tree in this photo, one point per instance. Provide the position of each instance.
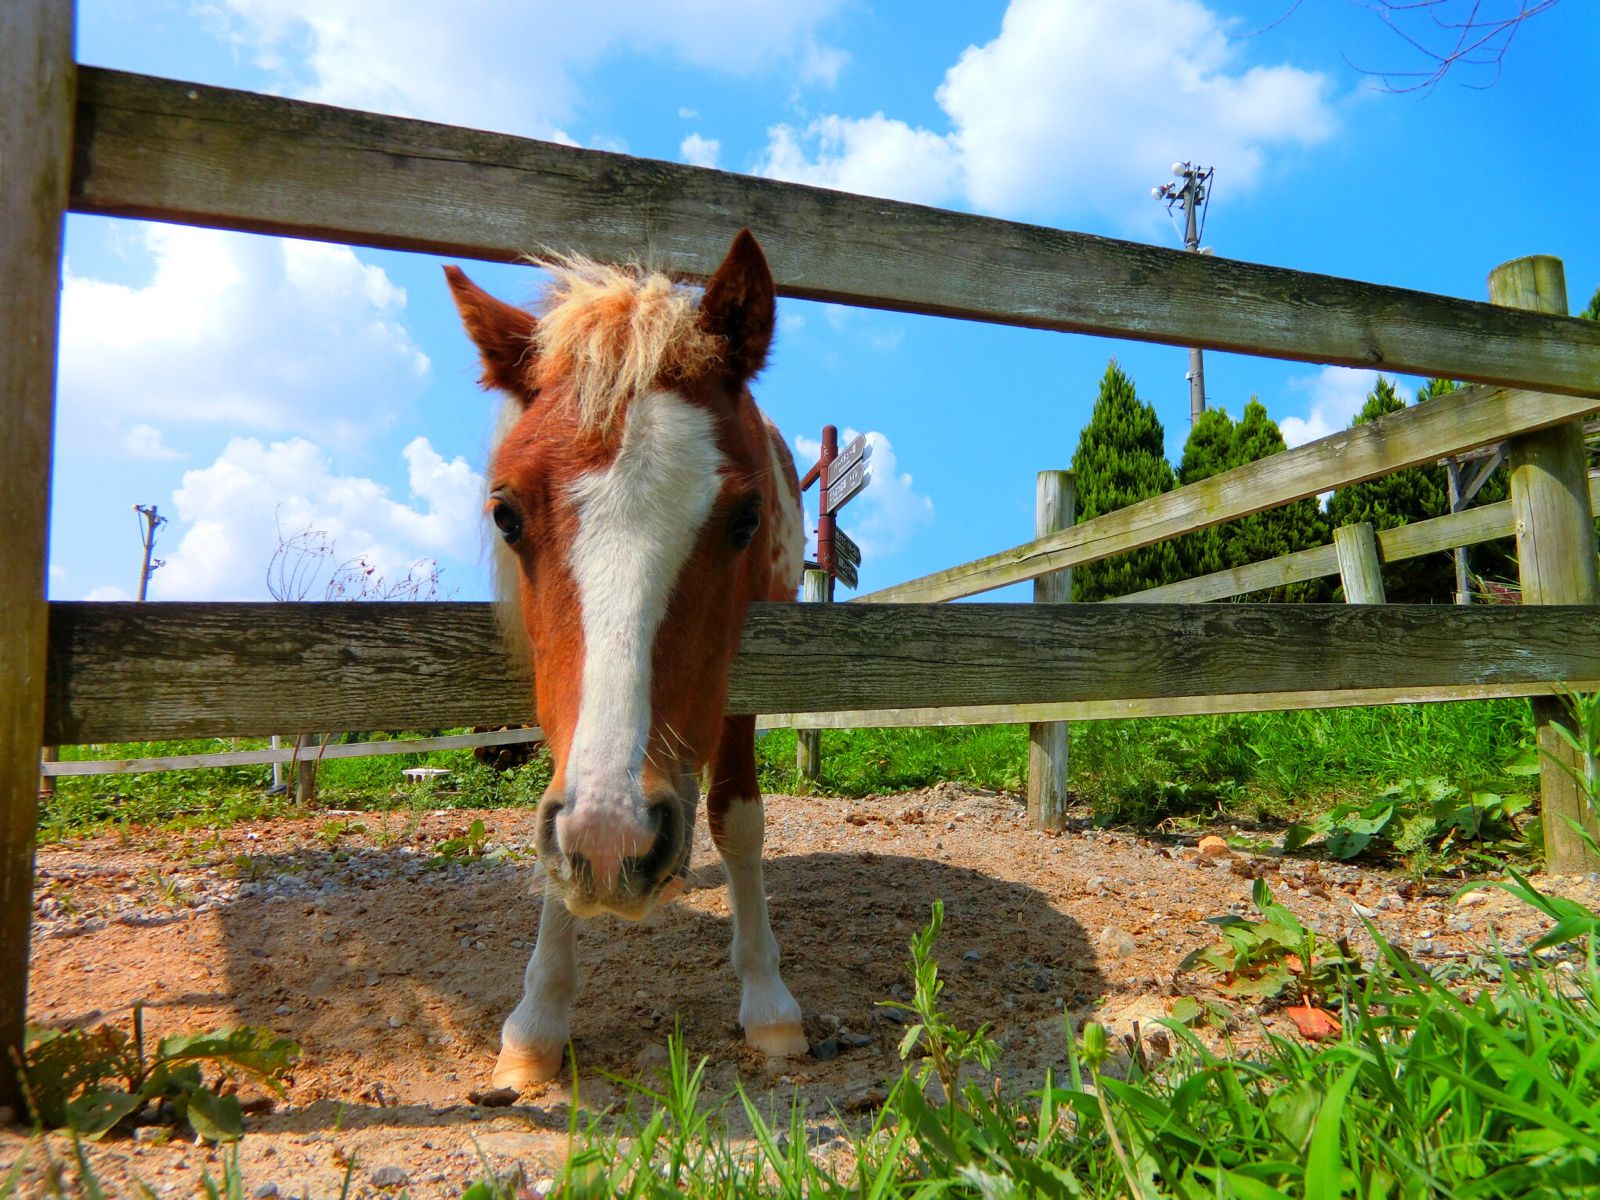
(1415, 494)
(1209, 451)
(1282, 530)
(1217, 444)
(1120, 459)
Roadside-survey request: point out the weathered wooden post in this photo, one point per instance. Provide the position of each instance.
(808, 742)
(305, 770)
(36, 103)
(1356, 548)
(1555, 556)
(1055, 507)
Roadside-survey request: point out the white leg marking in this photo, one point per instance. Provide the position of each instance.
(769, 1014)
(537, 1031)
(638, 521)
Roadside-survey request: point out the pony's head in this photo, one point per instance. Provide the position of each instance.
(633, 492)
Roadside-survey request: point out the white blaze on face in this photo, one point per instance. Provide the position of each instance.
(638, 521)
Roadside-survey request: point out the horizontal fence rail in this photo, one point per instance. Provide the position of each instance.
(308, 752)
(1433, 536)
(172, 151)
(1415, 436)
(1157, 706)
(125, 672)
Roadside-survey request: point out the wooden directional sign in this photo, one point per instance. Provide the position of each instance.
(843, 487)
(845, 573)
(844, 550)
(859, 450)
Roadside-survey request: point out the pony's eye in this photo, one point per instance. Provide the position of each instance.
(507, 519)
(742, 530)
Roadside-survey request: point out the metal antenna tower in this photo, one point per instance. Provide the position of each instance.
(1193, 195)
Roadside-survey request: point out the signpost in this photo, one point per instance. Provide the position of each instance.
(843, 475)
(846, 558)
(844, 486)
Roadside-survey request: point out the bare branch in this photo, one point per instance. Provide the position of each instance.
(1475, 33)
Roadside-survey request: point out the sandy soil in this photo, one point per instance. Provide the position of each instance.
(393, 969)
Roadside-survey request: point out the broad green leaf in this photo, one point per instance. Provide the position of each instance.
(215, 1118)
(95, 1112)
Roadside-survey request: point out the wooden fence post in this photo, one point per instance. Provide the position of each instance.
(1356, 547)
(808, 742)
(1055, 507)
(36, 105)
(1555, 556)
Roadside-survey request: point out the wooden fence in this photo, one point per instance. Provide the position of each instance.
(99, 141)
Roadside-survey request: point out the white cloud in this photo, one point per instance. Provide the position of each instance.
(1334, 395)
(282, 336)
(237, 509)
(883, 517)
(1073, 108)
(822, 64)
(700, 151)
(871, 156)
(430, 61)
(109, 591)
(688, 114)
(145, 441)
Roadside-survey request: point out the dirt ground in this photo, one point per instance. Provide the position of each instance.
(393, 968)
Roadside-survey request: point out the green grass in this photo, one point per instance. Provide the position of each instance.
(1139, 773)
(863, 762)
(1491, 1089)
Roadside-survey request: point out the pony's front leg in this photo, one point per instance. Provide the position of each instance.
(769, 1014)
(536, 1033)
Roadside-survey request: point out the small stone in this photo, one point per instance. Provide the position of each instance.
(390, 1177)
(972, 956)
(1473, 899)
(1115, 943)
(152, 1135)
(826, 1050)
(1391, 903)
(856, 1041)
(493, 1097)
(396, 1022)
(1211, 846)
(864, 1098)
(283, 1010)
(651, 1057)
(265, 1192)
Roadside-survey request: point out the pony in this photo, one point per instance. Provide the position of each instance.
(642, 502)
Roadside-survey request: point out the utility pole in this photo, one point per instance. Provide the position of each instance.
(1193, 195)
(151, 521)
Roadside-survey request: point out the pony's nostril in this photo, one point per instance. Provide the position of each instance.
(666, 822)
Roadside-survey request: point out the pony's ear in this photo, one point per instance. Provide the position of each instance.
(503, 334)
(740, 305)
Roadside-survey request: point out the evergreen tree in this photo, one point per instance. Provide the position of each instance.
(1120, 459)
(1415, 494)
(1592, 313)
(1282, 530)
(1209, 451)
(1217, 444)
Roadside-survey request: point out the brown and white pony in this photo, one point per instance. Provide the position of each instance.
(643, 501)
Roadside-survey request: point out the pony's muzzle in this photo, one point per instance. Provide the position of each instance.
(614, 857)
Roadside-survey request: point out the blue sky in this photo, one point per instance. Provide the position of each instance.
(254, 388)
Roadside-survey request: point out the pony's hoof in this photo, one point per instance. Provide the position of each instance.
(783, 1040)
(518, 1068)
